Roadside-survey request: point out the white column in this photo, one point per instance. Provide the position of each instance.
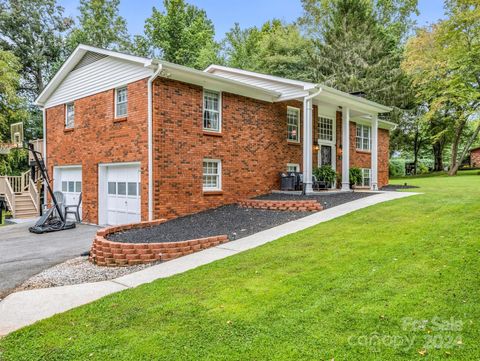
(374, 153)
(307, 145)
(345, 149)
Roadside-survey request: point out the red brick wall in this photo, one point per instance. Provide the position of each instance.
(475, 158)
(362, 159)
(98, 138)
(252, 146)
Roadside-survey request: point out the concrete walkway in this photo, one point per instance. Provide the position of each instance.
(24, 308)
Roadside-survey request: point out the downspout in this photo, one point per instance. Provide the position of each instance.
(307, 141)
(44, 124)
(150, 141)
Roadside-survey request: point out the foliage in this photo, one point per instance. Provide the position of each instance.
(354, 51)
(13, 163)
(325, 173)
(355, 175)
(396, 167)
(241, 47)
(443, 63)
(100, 25)
(34, 31)
(307, 296)
(181, 33)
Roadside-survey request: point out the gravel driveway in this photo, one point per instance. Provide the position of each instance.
(24, 254)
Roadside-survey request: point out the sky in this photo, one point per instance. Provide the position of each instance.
(224, 13)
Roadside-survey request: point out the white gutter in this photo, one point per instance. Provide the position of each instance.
(150, 141)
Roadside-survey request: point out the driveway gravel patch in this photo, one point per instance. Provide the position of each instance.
(74, 271)
(234, 221)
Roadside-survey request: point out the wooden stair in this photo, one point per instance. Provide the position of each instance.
(24, 206)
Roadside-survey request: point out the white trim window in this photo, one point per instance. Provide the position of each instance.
(212, 175)
(366, 177)
(121, 102)
(212, 117)
(69, 115)
(293, 167)
(325, 129)
(364, 137)
(293, 124)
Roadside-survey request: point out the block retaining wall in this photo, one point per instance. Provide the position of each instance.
(295, 205)
(115, 254)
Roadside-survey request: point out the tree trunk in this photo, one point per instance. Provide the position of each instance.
(438, 147)
(458, 162)
(456, 143)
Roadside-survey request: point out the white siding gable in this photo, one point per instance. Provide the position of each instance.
(103, 74)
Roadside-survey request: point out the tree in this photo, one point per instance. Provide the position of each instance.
(34, 31)
(353, 51)
(101, 25)
(276, 48)
(443, 61)
(12, 108)
(181, 33)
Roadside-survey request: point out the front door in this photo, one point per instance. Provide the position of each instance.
(326, 155)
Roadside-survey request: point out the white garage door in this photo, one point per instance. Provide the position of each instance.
(123, 194)
(68, 180)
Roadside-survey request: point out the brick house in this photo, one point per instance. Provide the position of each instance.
(144, 139)
(475, 157)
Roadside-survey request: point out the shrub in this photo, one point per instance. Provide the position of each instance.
(325, 173)
(396, 167)
(355, 175)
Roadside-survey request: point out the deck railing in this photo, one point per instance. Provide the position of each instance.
(7, 190)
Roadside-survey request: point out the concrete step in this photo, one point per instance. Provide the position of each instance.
(26, 215)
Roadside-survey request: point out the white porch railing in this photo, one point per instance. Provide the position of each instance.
(7, 191)
(20, 183)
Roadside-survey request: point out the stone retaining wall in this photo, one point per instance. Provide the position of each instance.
(295, 205)
(114, 254)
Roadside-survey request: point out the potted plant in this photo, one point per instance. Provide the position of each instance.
(355, 177)
(326, 174)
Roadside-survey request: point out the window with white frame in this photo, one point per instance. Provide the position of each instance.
(211, 111)
(212, 175)
(364, 138)
(293, 124)
(121, 102)
(293, 167)
(325, 128)
(69, 115)
(366, 177)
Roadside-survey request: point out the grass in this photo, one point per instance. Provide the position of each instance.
(346, 289)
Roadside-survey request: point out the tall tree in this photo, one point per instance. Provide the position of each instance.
(181, 33)
(443, 61)
(12, 109)
(276, 48)
(353, 51)
(101, 25)
(34, 31)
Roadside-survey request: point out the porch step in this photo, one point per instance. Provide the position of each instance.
(24, 206)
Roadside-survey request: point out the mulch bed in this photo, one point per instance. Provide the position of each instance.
(232, 220)
(394, 187)
(327, 200)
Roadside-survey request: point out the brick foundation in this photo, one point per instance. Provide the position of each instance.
(116, 254)
(299, 205)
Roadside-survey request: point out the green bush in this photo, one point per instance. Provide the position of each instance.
(325, 173)
(422, 169)
(396, 167)
(355, 175)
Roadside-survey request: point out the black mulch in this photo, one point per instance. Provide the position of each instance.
(232, 220)
(327, 200)
(394, 187)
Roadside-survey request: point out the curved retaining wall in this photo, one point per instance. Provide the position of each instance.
(295, 205)
(114, 254)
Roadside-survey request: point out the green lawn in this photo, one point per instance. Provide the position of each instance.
(347, 289)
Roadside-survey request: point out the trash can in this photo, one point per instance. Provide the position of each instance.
(287, 182)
